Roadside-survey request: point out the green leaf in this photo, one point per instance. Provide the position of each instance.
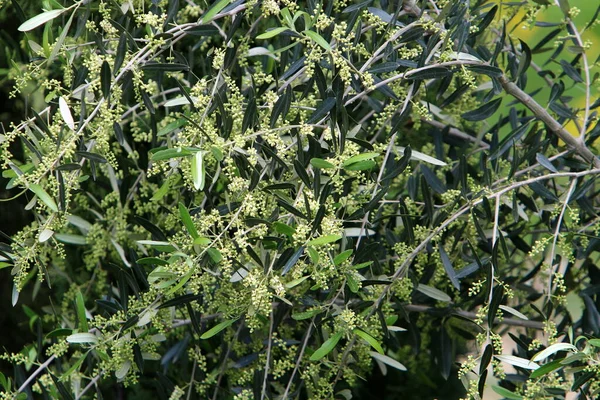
(433, 293)
(83, 337)
(448, 267)
(488, 70)
(292, 260)
(296, 282)
(556, 347)
(565, 7)
(506, 393)
(417, 155)
(158, 245)
(187, 221)
(217, 153)
(518, 361)
(162, 191)
(105, 79)
(43, 196)
(352, 283)
(513, 312)
(45, 235)
(369, 339)
(60, 332)
(40, 19)
(92, 156)
(318, 39)
(429, 73)
(546, 368)
(322, 110)
(202, 241)
(272, 33)
(320, 163)
(324, 240)
(388, 360)
(170, 153)
(361, 165)
(215, 255)
(71, 239)
(340, 258)
(198, 173)
(483, 112)
(152, 66)
(172, 126)
(306, 314)
(326, 347)
(61, 39)
(214, 10)
(217, 328)
(75, 366)
(358, 158)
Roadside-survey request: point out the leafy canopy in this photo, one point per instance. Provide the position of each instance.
(279, 199)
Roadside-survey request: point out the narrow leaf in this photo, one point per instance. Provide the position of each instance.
(448, 267)
(506, 393)
(318, 39)
(321, 164)
(217, 328)
(555, 348)
(43, 196)
(81, 315)
(214, 10)
(518, 361)
(66, 113)
(272, 33)
(513, 312)
(83, 337)
(326, 347)
(388, 361)
(187, 221)
(40, 19)
(483, 112)
(105, 79)
(198, 171)
(324, 240)
(369, 339)
(433, 293)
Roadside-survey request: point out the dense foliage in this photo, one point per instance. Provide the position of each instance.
(279, 199)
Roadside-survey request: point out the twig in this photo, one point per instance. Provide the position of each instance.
(36, 373)
(269, 347)
(93, 382)
(557, 233)
(299, 360)
(573, 143)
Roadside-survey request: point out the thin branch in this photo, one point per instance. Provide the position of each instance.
(269, 347)
(35, 373)
(299, 360)
(540, 112)
(93, 382)
(557, 233)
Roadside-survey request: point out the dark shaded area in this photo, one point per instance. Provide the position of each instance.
(14, 330)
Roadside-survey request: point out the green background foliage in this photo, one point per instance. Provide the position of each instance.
(278, 199)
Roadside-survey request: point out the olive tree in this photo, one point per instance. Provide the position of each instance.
(280, 199)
